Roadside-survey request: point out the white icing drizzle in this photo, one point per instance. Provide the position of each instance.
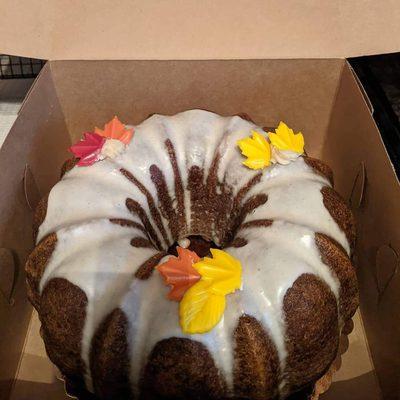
(96, 255)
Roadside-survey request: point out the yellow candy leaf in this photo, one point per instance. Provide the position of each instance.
(203, 304)
(223, 271)
(257, 150)
(285, 139)
(200, 310)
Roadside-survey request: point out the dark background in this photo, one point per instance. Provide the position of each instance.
(380, 77)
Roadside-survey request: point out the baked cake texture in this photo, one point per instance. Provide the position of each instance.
(106, 320)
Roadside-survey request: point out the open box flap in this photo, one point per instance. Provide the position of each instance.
(192, 29)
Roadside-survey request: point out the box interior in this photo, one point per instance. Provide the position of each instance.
(318, 97)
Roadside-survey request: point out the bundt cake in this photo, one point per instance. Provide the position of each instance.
(107, 321)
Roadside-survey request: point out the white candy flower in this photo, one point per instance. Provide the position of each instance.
(112, 148)
(283, 157)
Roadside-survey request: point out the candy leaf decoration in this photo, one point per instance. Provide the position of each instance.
(223, 271)
(257, 150)
(203, 304)
(88, 149)
(285, 139)
(115, 129)
(179, 273)
(200, 310)
(108, 143)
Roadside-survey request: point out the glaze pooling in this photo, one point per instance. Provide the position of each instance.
(96, 255)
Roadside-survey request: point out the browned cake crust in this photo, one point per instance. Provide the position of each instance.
(39, 216)
(320, 167)
(36, 265)
(109, 358)
(68, 165)
(312, 331)
(256, 369)
(323, 384)
(127, 222)
(146, 269)
(341, 213)
(334, 256)
(62, 314)
(245, 116)
(181, 369)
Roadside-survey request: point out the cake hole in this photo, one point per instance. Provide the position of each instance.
(198, 244)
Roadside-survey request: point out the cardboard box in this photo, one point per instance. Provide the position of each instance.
(319, 96)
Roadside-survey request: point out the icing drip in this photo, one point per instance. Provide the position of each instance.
(191, 159)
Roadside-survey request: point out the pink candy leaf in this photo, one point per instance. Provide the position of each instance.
(88, 149)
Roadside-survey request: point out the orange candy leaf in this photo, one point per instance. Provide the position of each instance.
(178, 272)
(115, 129)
